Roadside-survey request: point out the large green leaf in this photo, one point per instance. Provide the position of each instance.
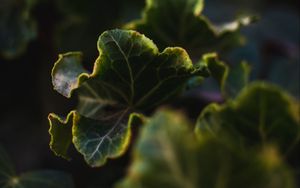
(16, 27)
(180, 23)
(35, 179)
(168, 154)
(130, 75)
(262, 114)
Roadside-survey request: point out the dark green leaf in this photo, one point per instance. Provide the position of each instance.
(61, 134)
(130, 75)
(167, 154)
(16, 27)
(45, 179)
(98, 139)
(231, 80)
(35, 179)
(237, 78)
(262, 114)
(180, 23)
(218, 69)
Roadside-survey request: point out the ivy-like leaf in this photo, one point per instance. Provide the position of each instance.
(180, 23)
(262, 114)
(231, 80)
(167, 154)
(130, 75)
(35, 179)
(16, 27)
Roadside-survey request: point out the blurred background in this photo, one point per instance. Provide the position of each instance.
(34, 32)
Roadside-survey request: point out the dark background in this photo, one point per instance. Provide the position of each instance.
(27, 97)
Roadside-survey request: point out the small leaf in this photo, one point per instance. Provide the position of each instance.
(237, 79)
(231, 80)
(218, 69)
(35, 179)
(262, 114)
(130, 75)
(61, 134)
(167, 154)
(180, 23)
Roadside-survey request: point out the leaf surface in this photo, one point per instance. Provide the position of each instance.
(130, 75)
(262, 114)
(180, 23)
(34, 179)
(167, 154)
(231, 79)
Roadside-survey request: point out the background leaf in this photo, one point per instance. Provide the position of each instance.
(168, 154)
(17, 28)
(35, 179)
(231, 79)
(180, 23)
(262, 114)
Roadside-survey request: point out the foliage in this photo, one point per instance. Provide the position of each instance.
(168, 154)
(261, 115)
(247, 137)
(180, 23)
(130, 75)
(230, 80)
(17, 28)
(34, 179)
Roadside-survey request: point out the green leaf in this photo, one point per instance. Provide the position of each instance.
(96, 139)
(130, 75)
(167, 154)
(44, 178)
(61, 134)
(262, 114)
(35, 179)
(237, 78)
(231, 80)
(17, 28)
(99, 139)
(218, 69)
(180, 23)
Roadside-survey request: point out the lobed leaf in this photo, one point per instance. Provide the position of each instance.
(61, 134)
(130, 75)
(180, 23)
(261, 114)
(167, 154)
